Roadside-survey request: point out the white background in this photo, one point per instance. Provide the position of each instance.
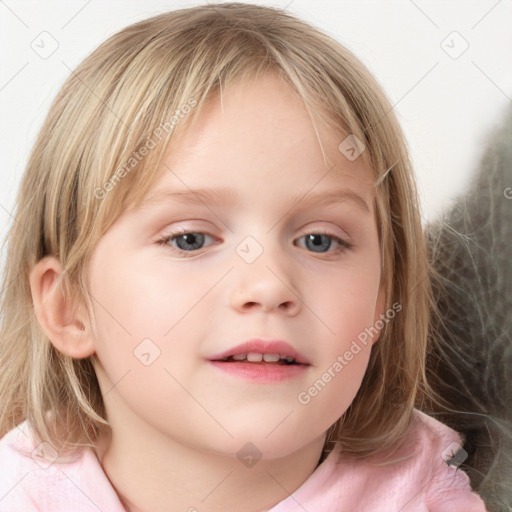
(446, 105)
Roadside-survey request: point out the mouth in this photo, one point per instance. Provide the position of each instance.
(262, 352)
(260, 359)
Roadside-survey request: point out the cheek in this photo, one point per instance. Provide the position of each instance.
(335, 384)
(347, 301)
(157, 303)
(145, 333)
(145, 297)
(345, 311)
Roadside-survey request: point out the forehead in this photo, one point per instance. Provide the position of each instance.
(258, 135)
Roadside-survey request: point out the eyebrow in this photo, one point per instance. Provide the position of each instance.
(221, 196)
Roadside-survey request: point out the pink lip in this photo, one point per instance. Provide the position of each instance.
(266, 373)
(263, 347)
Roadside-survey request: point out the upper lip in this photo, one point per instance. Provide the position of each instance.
(261, 346)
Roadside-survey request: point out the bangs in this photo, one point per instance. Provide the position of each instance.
(160, 90)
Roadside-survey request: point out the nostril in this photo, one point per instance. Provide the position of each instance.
(286, 306)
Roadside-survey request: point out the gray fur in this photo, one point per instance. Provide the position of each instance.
(471, 352)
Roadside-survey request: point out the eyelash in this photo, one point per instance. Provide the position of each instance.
(343, 244)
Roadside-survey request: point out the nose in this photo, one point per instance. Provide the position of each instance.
(264, 286)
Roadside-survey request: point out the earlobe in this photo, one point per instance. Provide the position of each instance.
(64, 325)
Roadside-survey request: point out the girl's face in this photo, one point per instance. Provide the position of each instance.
(272, 254)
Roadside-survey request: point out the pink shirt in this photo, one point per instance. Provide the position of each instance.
(422, 481)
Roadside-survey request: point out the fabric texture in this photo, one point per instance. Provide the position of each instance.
(419, 479)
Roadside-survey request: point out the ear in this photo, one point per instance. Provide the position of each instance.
(380, 305)
(63, 323)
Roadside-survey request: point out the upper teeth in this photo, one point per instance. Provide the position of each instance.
(255, 357)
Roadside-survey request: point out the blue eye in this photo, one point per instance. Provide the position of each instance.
(190, 241)
(322, 242)
(186, 241)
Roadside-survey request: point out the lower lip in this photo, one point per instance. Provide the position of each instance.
(269, 373)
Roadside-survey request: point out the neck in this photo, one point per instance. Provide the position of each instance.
(159, 474)
(153, 472)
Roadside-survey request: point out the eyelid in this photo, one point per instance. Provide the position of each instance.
(335, 232)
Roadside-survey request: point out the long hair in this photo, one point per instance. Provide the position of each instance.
(86, 169)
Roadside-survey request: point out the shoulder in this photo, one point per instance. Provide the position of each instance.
(440, 453)
(428, 436)
(420, 473)
(428, 467)
(17, 462)
(34, 478)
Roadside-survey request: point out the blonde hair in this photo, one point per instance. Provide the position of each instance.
(73, 190)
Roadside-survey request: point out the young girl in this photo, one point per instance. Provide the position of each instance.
(216, 294)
